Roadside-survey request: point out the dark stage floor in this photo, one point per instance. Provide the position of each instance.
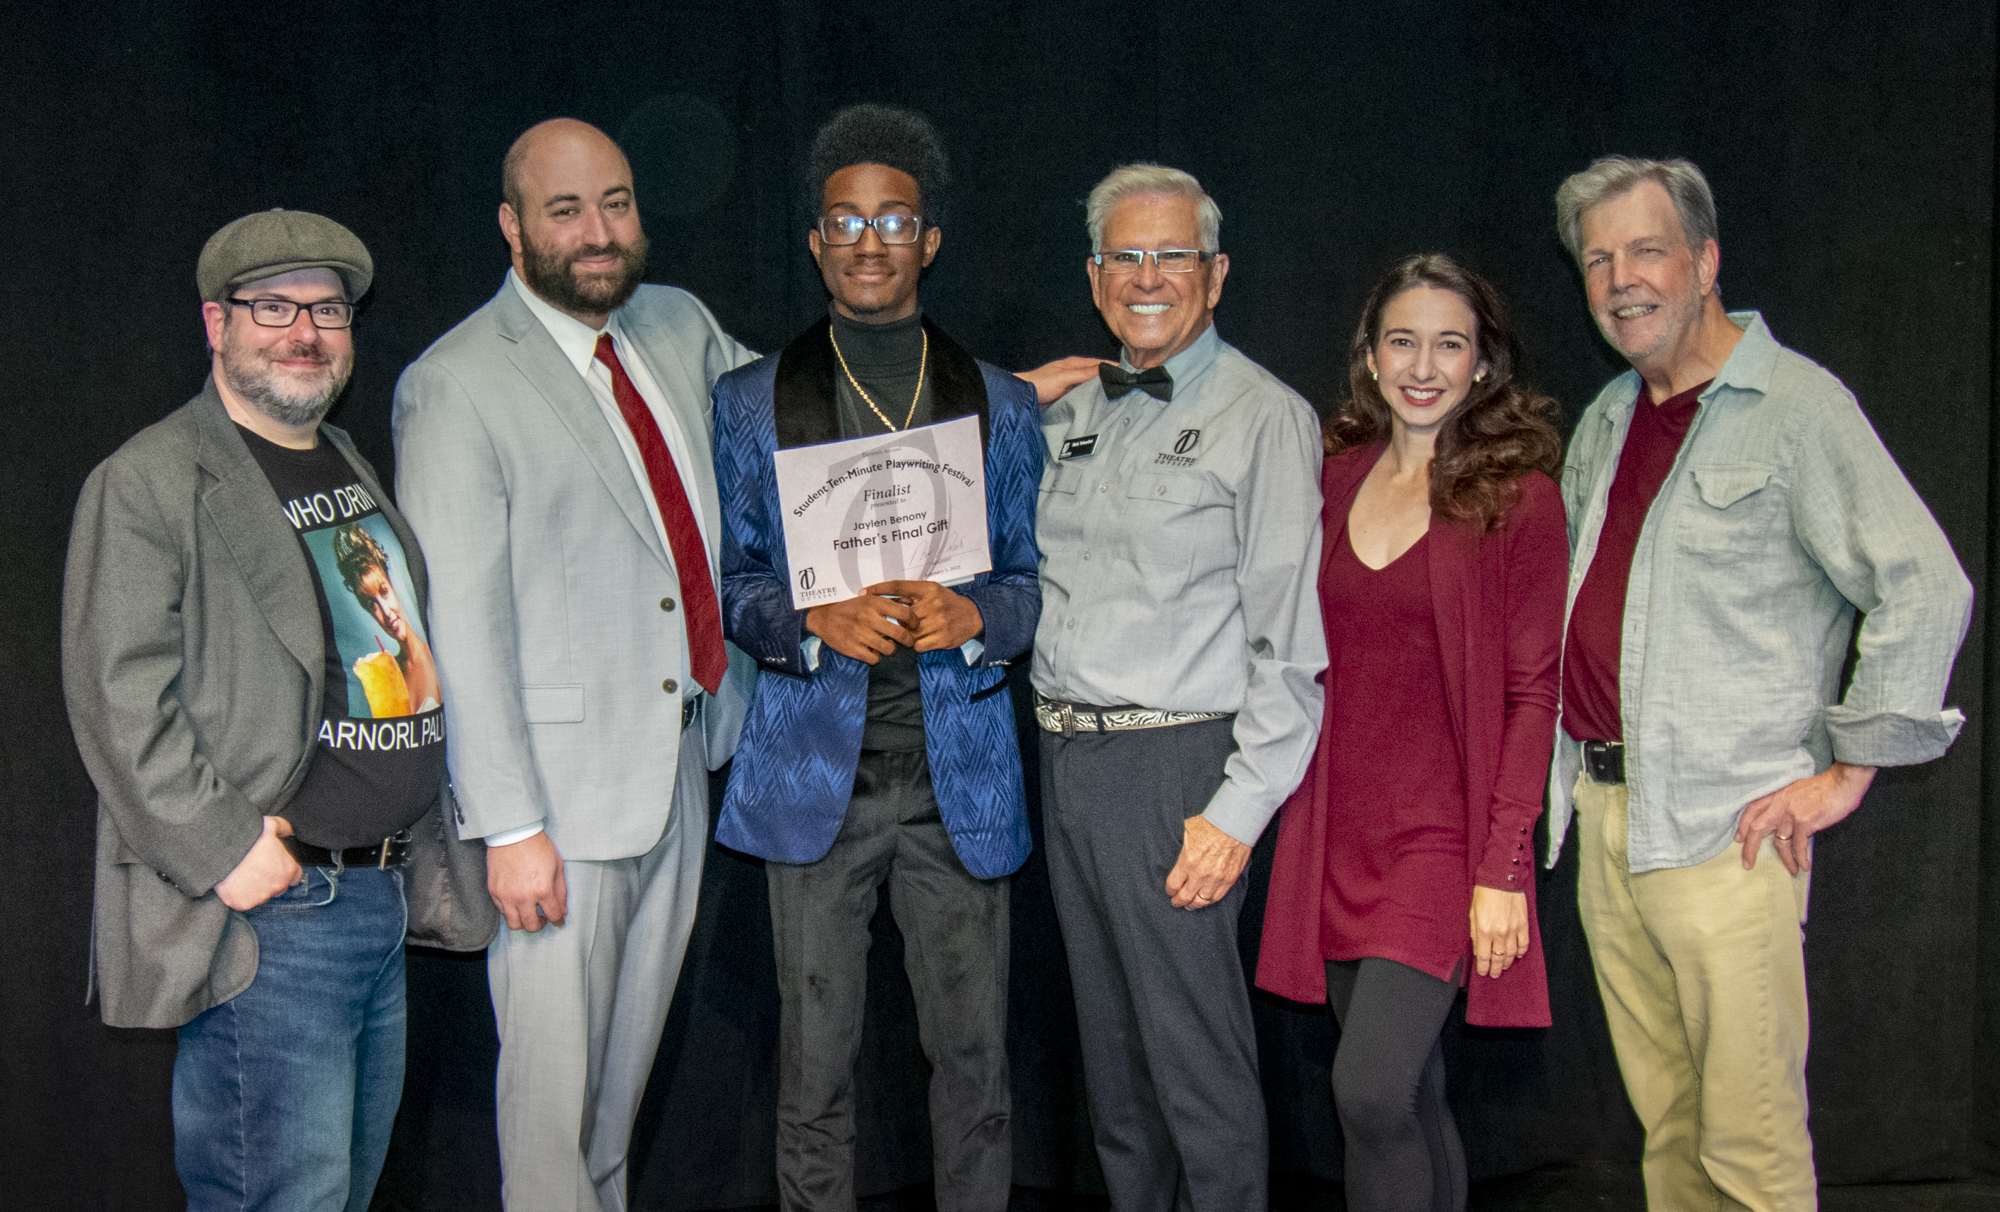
(1600, 1188)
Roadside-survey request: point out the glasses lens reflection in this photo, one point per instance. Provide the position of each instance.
(890, 229)
(1170, 260)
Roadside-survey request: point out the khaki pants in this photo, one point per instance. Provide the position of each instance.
(1703, 975)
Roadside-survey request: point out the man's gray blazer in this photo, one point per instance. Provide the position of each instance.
(194, 668)
(555, 614)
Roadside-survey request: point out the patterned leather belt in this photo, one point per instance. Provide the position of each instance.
(1054, 715)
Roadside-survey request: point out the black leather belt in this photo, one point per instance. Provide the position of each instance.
(1604, 761)
(688, 712)
(389, 852)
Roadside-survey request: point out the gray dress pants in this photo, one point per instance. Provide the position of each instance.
(955, 943)
(580, 1007)
(1169, 1051)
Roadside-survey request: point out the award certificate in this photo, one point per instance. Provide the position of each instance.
(907, 506)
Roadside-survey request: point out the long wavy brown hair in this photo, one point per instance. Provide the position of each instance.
(1501, 431)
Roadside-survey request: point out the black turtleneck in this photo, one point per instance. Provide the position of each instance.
(885, 359)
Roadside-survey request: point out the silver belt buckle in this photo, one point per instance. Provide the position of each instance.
(1068, 721)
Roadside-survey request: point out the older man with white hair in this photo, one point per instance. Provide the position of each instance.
(1175, 669)
(1730, 509)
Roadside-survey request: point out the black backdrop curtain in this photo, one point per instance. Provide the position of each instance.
(1851, 148)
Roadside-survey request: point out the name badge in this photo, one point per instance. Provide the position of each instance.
(1076, 448)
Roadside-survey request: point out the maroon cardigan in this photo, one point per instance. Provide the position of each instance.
(1498, 600)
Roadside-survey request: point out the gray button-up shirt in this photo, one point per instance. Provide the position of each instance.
(1180, 557)
(1781, 517)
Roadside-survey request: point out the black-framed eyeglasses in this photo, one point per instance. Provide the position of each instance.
(283, 313)
(890, 229)
(1170, 260)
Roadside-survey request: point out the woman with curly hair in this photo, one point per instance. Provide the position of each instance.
(1405, 861)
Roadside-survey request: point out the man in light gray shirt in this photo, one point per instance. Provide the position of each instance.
(1175, 664)
(1730, 509)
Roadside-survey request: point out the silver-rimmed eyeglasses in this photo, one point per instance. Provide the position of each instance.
(283, 313)
(1170, 260)
(890, 229)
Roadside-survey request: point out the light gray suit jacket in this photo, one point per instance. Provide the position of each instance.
(549, 578)
(194, 667)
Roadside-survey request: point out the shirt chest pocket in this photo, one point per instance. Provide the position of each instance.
(1058, 522)
(1166, 521)
(1736, 514)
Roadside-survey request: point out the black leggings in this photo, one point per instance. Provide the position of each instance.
(1403, 1151)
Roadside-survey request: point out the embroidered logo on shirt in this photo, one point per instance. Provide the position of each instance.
(1188, 440)
(1076, 448)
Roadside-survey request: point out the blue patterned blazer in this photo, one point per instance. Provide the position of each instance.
(794, 770)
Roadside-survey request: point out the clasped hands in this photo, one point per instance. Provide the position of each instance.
(923, 615)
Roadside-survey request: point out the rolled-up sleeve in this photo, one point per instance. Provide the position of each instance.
(1862, 522)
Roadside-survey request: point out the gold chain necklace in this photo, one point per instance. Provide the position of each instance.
(923, 360)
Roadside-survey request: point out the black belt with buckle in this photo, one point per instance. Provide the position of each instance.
(688, 711)
(1604, 761)
(389, 852)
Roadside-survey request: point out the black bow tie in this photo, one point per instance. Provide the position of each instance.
(1156, 382)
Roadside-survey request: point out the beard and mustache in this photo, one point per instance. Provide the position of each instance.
(1682, 315)
(551, 275)
(252, 374)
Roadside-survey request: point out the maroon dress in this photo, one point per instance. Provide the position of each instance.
(1461, 700)
(1395, 882)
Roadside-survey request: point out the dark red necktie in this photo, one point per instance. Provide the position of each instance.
(703, 612)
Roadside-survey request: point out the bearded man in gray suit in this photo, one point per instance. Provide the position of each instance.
(553, 454)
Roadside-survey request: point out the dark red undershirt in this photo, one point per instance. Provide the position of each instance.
(1590, 703)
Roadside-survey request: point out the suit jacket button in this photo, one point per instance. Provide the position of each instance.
(666, 603)
(670, 685)
(164, 877)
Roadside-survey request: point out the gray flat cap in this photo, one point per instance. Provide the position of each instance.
(277, 241)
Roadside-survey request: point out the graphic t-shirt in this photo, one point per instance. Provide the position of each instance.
(380, 756)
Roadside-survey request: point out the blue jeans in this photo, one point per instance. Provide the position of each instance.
(284, 1095)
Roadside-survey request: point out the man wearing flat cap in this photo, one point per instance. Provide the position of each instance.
(268, 750)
